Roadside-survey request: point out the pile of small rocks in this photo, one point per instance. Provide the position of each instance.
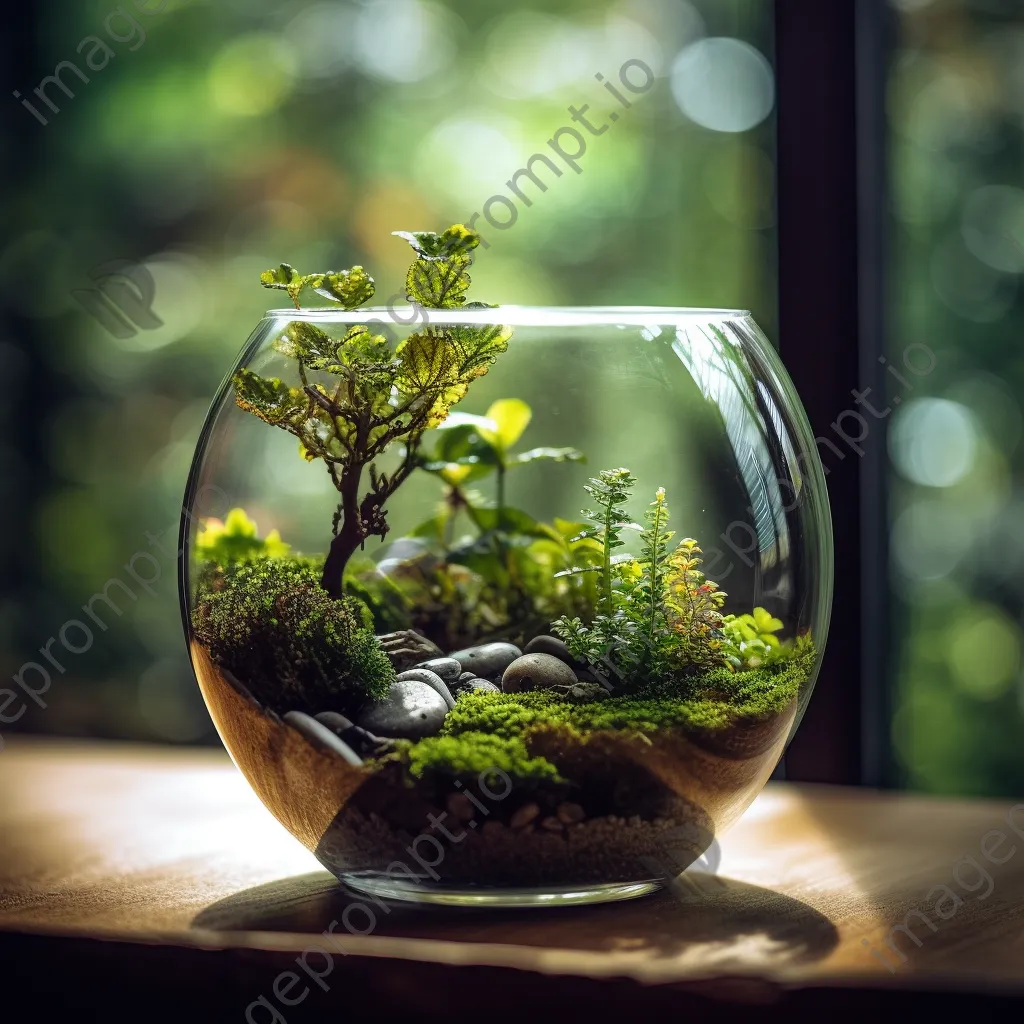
(429, 682)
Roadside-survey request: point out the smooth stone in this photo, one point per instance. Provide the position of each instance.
(481, 686)
(364, 743)
(537, 672)
(406, 648)
(570, 814)
(432, 679)
(335, 721)
(467, 677)
(412, 710)
(447, 668)
(319, 734)
(488, 661)
(524, 816)
(553, 646)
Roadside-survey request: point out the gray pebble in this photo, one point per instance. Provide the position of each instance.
(413, 709)
(335, 721)
(318, 733)
(536, 672)
(488, 661)
(481, 686)
(550, 645)
(432, 679)
(406, 647)
(447, 668)
(364, 743)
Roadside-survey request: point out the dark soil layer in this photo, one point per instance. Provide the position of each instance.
(545, 851)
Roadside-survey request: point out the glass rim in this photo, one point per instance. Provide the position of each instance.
(513, 315)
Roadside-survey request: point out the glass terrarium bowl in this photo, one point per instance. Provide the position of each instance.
(487, 665)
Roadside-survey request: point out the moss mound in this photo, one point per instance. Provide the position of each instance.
(472, 754)
(494, 730)
(269, 622)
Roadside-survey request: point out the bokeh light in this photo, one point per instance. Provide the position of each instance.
(321, 38)
(404, 40)
(984, 653)
(723, 84)
(933, 442)
(252, 75)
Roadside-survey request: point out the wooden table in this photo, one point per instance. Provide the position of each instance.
(149, 884)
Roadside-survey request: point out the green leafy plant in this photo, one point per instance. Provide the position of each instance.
(359, 396)
(469, 448)
(658, 614)
(749, 641)
(236, 540)
(693, 606)
(610, 489)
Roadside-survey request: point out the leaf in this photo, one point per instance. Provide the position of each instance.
(350, 288)
(477, 347)
(307, 343)
(427, 363)
(429, 369)
(270, 399)
(765, 622)
(508, 520)
(511, 416)
(431, 529)
(431, 246)
(439, 283)
(547, 454)
(441, 363)
(577, 570)
(286, 278)
(479, 427)
(458, 238)
(426, 244)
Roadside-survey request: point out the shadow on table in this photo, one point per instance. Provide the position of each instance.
(716, 921)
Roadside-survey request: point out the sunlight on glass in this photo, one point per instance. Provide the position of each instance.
(404, 40)
(933, 442)
(252, 75)
(723, 84)
(984, 653)
(321, 37)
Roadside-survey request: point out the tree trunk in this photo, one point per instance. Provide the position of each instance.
(347, 540)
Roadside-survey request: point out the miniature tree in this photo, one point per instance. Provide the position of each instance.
(371, 395)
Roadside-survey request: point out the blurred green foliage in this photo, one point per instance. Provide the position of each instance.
(240, 131)
(957, 508)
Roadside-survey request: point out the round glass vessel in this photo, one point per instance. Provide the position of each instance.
(508, 605)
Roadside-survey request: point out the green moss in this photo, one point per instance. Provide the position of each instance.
(269, 622)
(503, 714)
(712, 700)
(471, 754)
